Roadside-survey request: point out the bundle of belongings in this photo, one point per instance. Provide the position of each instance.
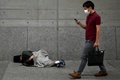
(38, 59)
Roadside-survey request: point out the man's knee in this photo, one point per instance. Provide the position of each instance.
(84, 57)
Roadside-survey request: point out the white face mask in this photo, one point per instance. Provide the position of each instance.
(87, 12)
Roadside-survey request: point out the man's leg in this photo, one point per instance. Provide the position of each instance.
(88, 47)
(102, 72)
(102, 68)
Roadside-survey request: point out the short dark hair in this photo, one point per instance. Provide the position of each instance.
(88, 4)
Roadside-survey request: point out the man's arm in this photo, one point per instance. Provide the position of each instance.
(97, 36)
(31, 57)
(80, 24)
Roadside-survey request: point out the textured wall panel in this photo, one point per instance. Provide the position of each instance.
(71, 14)
(47, 4)
(109, 14)
(71, 42)
(70, 4)
(47, 23)
(18, 4)
(13, 41)
(28, 23)
(18, 14)
(64, 23)
(47, 14)
(110, 22)
(43, 38)
(18, 23)
(51, 23)
(77, 4)
(118, 42)
(107, 42)
(106, 4)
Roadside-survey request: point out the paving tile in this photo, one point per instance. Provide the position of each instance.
(17, 72)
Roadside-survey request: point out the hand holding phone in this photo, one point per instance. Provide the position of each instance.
(77, 21)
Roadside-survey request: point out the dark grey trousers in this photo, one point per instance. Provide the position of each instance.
(88, 47)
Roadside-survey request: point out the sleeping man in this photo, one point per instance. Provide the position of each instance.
(39, 59)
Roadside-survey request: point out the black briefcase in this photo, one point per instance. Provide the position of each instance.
(16, 59)
(95, 57)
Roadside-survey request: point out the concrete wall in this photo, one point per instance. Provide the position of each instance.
(49, 25)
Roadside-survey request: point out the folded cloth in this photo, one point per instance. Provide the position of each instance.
(41, 59)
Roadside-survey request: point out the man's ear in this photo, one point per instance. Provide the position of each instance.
(91, 8)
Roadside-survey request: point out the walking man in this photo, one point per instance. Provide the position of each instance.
(92, 28)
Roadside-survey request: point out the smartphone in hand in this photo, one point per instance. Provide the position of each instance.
(75, 19)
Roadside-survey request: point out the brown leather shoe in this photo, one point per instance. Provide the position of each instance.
(75, 75)
(101, 73)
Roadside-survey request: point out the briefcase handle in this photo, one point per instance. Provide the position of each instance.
(96, 50)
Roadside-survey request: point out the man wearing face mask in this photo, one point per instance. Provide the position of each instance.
(92, 34)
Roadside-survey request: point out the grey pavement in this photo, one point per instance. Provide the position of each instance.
(15, 71)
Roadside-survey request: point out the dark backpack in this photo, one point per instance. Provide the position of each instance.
(25, 56)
